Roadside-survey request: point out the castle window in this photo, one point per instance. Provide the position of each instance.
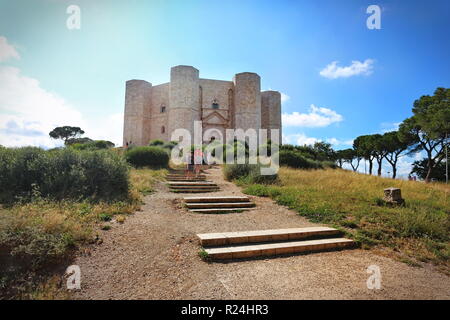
(163, 129)
(163, 108)
(215, 104)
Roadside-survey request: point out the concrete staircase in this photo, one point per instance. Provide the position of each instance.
(183, 177)
(192, 186)
(180, 183)
(218, 204)
(262, 243)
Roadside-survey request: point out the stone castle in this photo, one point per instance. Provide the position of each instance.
(154, 112)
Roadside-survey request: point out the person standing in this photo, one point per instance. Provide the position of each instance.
(198, 161)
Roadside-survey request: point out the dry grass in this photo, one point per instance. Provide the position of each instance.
(142, 180)
(38, 235)
(418, 231)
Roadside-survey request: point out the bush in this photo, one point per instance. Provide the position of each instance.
(248, 173)
(154, 157)
(295, 159)
(61, 174)
(156, 143)
(329, 164)
(93, 145)
(235, 171)
(170, 145)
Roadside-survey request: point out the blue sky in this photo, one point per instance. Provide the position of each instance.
(57, 76)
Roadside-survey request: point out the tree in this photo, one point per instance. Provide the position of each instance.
(83, 140)
(395, 149)
(340, 157)
(324, 151)
(65, 133)
(420, 168)
(380, 150)
(364, 146)
(349, 155)
(429, 128)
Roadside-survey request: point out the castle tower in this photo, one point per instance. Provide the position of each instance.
(271, 112)
(184, 100)
(247, 101)
(137, 112)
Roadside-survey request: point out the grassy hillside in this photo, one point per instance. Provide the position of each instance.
(418, 232)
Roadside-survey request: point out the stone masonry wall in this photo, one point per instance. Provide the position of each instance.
(137, 110)
(188, 98)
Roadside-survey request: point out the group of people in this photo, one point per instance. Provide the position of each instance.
(194, 161)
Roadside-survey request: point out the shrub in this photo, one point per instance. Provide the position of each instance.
(72, 141)
(61, 174)
(156, 143)
(295, 159)
(329, 164)
(93, 145)
(288, 147)
(170, 145)
(248, 173)
(154, 157)
(236, 171)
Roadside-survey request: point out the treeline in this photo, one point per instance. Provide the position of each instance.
(427, 130)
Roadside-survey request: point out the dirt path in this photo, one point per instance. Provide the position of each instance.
(154, 255)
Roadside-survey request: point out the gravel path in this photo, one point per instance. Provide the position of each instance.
(154, 255)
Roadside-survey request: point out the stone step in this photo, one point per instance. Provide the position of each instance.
(189, 183)
(281, 248)
(194, 187)
(193, 190)
(186, 178)
(219, 205)
(181, 171)
(216, 199)
(183, 174)
(219, 210)
(229, 238)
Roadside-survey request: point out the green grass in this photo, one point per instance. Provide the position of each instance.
(203, 255)
(418, 231)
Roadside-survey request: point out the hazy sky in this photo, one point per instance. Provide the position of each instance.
(339, 79)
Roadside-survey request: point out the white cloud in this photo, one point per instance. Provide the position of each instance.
(389, 126)
(339, 142)
(317, 117)
(299, 139)
(29, 113)
(284, 97)
(7, 50)
(333, 71)
(302, 139)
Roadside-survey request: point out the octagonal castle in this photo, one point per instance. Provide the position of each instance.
(154, 112)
